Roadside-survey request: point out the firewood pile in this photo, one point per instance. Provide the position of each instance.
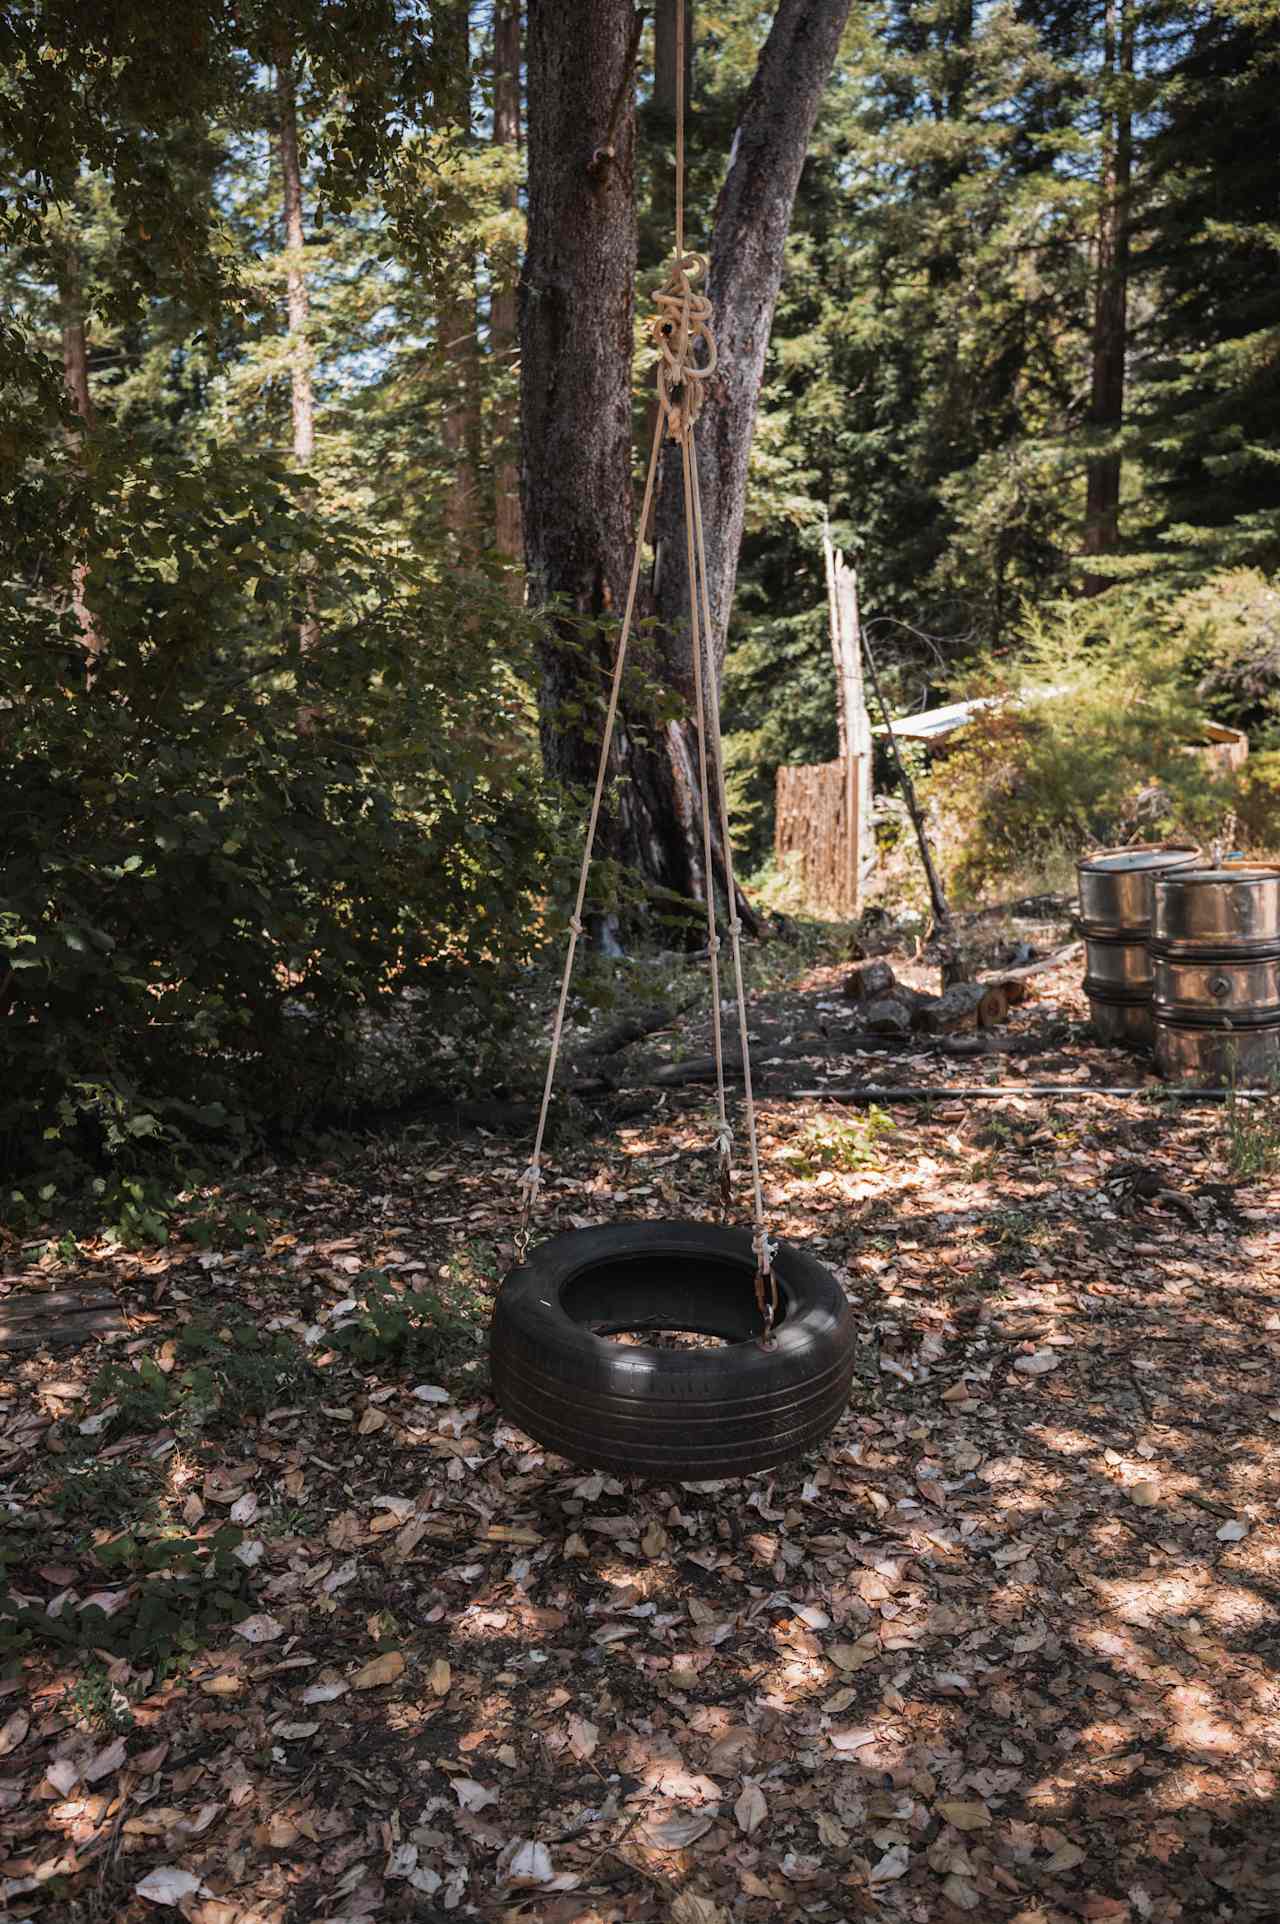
(889, 1007)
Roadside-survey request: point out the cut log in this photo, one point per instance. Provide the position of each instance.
(34, 1319)
(966, 1005)
(1013, 981)
(635, 1027)
(889, 1015)
(871, 980)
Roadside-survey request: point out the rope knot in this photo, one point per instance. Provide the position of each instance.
(765, 1251)
(575, 923)
(531, 1183)
(724, 1141)
(682, 321)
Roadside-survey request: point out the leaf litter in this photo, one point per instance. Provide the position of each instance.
(1005, 1647)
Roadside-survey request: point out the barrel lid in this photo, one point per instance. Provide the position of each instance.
(1227, 872)
(1147, 855)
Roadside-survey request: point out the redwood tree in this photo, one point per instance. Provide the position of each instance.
(1111, 292)
(576, 306)
(576, 326)
(503, 312)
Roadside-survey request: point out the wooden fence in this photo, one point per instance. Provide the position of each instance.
(817, 836)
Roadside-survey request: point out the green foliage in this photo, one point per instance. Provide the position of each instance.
(100, 1704)
(227, 1376)
(90, 1489)
(1251, 1136)
(1232, 626)
(223, 856)
(1092, 742)
(434, 1329)
(1209, 407)
(841, 1143)
(185, 1590)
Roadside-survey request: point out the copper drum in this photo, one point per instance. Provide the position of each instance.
(1215, 950)
(1117, 899)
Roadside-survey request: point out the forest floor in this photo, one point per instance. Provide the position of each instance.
(300, 1629)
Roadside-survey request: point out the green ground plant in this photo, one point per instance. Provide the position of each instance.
(1251, 1136)
(841, 1143)
(440, 1329)
(1094, 743)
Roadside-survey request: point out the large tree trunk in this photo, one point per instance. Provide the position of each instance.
(576, 306)
(1110, 319)
(300, 375)
(748, 245)
(576, 336)
(75, 375)
(504, 300)
(459, 351)
(302, 387)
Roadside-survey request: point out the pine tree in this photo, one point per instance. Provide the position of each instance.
(1210, 396)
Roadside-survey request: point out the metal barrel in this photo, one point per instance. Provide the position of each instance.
(1215, 950)
(1117, 899)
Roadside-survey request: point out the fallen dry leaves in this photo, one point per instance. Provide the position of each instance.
(1004, 1649)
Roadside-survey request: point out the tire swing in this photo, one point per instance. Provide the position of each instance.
(779, 1381)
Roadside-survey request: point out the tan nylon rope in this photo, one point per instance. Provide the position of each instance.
(531, 1181)
(683, 319)
(765, 1279)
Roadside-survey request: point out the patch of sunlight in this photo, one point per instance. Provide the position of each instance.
(1067, 1442)
(1156, 1599)
(1234, 1607)
(1198, 1722)
(793, 1679)
(1116, 1647)
(182, 1471)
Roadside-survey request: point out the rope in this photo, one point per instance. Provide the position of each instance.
(681, 329)
(766, 1282)
(724, 1135)
(680, 57)
(531, 1181)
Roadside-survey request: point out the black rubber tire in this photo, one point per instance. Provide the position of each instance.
(683, 1414)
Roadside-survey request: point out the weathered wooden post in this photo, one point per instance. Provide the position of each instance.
(852, 721)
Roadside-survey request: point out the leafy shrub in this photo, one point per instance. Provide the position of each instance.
(1256, 800)
(422, 1329)
(194, 1587)
(1231, 624)
(846, 1143)
(231, 1375)
(1089, 745)
(227, 855)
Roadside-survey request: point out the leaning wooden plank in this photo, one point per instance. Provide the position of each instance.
(50, 1302)
(43, 1332)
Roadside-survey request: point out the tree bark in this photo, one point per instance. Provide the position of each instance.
(576, 308)
(504, 300)
(576, 334)
(457, 341)
(1110, 318)
(853, 723)
(75, 375)
(302, 387)
(748, 242)
(300, 363)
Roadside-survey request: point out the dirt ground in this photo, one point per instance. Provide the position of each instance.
(298, 1628)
